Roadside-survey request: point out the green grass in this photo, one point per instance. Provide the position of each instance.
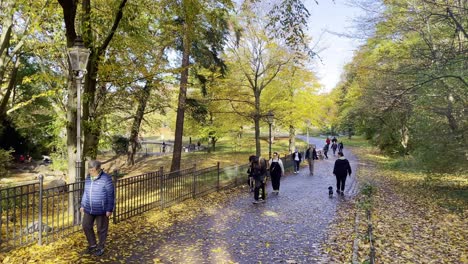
(355, 141)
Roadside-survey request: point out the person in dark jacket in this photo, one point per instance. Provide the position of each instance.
(97, 206)
(341, 170)
(334, 146)
(325, 150)
(250, 180)
(258, 172)
(340, 146)
(311, 156)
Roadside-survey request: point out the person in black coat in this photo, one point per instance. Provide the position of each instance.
(341, 170)
(258, 171)
(325, 150)
(340, 146)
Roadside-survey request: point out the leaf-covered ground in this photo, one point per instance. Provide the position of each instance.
(414, 220)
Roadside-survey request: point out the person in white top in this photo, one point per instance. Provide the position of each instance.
(276, 171)
(297, 158)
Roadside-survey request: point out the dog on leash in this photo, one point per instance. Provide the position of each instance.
(330, 191)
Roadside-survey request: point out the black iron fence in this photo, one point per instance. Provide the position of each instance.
(32, 213)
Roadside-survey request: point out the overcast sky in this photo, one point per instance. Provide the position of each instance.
(336, 17)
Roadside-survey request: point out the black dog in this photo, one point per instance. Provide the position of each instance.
(330, 191)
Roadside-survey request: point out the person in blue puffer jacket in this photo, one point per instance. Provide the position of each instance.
(97, 206)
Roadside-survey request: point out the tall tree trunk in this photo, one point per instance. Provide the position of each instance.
(292, 138)
(142, 102)
(179, 129)
(257, 116)
(91, 115)
(71, 130)
(10, 87)
(91, 120)
(258, 150)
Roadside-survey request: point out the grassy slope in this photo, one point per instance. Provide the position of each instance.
(226, 153)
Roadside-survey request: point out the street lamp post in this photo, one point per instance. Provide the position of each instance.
(270, 116)
(78, 55)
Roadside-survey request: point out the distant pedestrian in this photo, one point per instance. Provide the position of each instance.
(325, 150)
(250, 180)
(340, 146)
(297, 158)
(327, 141)
(164, 147)
(276, 171)
(341, 170)
(198, 145)
(310, 156)
(334, 146)
(334, 140)
(97, 206)
(258, 171)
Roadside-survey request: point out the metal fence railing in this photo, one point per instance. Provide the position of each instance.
(31, 213)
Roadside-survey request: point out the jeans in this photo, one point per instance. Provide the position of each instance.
(296, 165)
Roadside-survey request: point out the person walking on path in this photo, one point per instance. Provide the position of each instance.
(340, 146)
(327, 141)
(297, 158)
(334, 146)
(341, 170)
(97, 206)
(258, 173)
(276, 171)
(250, 180)
(334, 140)
(310, 156)
(325, 150)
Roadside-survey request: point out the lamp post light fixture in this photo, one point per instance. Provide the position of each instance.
(270, 117)
(78, 55)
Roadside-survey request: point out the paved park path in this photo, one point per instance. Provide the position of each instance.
(287, 228)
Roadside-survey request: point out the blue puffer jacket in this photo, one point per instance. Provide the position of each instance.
(98, 196)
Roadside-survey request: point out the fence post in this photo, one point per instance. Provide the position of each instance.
(194, 189)
(217, 184)
(114, 178)
(161, 181)
(237, 175)
(39, 224)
